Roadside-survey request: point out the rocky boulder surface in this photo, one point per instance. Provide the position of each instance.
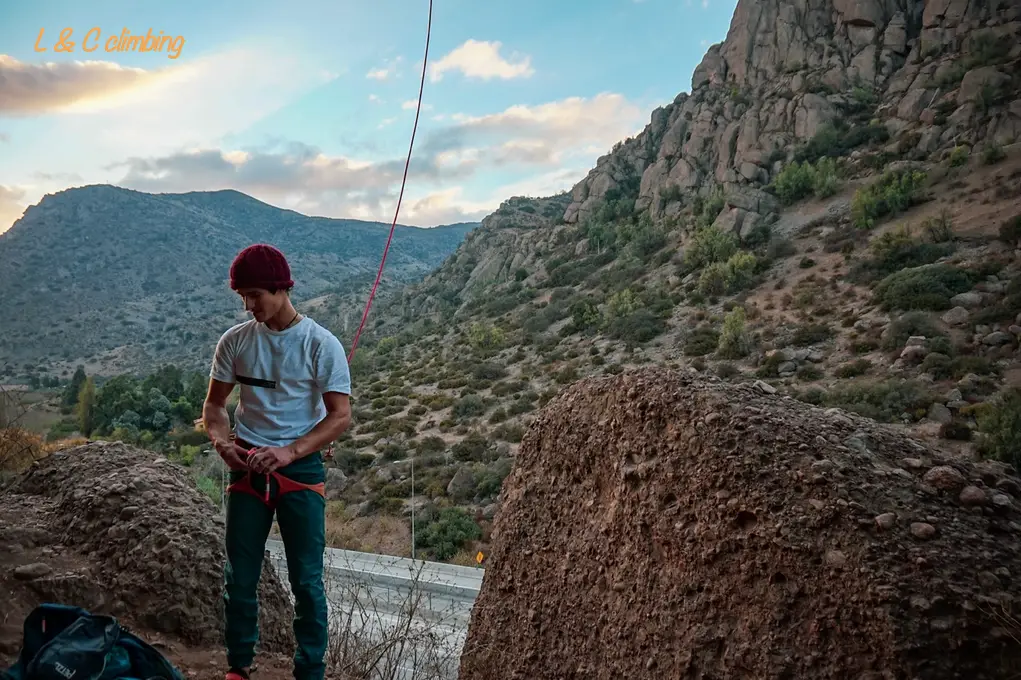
(120, 530)
(661, 525)
(916, 75)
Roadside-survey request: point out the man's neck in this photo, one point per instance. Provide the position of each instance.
(283, 319)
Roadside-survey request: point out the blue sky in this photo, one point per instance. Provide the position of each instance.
(308, 104)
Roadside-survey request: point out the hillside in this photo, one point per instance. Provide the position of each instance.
(119, 280)
(833, 210)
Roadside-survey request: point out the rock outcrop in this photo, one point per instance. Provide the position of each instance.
(660, 526)
(119, 530)
(917, 75)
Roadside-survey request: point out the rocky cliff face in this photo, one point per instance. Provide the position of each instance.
(917, 75)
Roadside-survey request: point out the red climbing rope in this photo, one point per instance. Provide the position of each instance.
(407, 164)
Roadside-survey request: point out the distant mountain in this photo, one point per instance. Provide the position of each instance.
(125, 278)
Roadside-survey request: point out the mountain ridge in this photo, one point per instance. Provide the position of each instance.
(86, 254)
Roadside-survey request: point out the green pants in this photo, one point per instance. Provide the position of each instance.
(301, 516)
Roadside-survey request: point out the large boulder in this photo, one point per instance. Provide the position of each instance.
(657, 525)
(123, 531)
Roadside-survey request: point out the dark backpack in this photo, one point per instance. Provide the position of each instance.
(69, 643)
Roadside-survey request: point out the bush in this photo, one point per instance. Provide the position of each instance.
(473, 448)
(701, 341)
(710, 245)
(733, 343)
(811, 334)
(929, 287)
(853, 369)
(469, 406)
(1000, 424)
(939, 365)
(884, 402)
(893, 193)
(1010, 231)
(445, 533)
(798, 181)
(894, 251)
(836, 140)
(912, 323)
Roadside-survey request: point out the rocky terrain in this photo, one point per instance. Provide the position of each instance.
(122, 531)
(118, 280)
(658, 524)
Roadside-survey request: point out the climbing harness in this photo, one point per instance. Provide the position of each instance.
(328, 455)
(284, 485)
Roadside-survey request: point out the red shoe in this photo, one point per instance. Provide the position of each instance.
(236, 674)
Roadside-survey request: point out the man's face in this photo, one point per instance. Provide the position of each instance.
(262, 304)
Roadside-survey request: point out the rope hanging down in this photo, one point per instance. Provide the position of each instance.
(407, 164)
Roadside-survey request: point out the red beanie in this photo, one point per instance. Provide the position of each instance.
(260, 266)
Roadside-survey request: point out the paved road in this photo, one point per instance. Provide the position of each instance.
(375, 597)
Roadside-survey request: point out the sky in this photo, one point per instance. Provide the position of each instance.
(309, 104)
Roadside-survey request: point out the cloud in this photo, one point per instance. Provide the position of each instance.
(194, 106)
(545, 134)
(387, 71)
(411, 104)
(11, 207)
(27, 89)
(552, 144)
(481, 59)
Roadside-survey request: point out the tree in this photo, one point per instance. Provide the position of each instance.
(86, 407)
(74, 388)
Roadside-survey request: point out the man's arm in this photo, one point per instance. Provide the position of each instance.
(214, 410)
(337, 420)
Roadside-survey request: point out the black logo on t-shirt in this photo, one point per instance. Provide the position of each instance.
(257, 382)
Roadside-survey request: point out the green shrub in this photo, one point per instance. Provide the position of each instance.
(912, 323)
(444, 533)
(1000, 424)
(894, 251)
(710, 245)
(885, 401)
(1010, 231)
(959, 156)
(939, 365)
(701, 341)
(929, 287)
(853, 369)
(474, 447)
(801, 180)
(992, 154)
(811, 334)
(734, 342)
(809, 372)
(893, 193)
(835, 140)
(469, 406)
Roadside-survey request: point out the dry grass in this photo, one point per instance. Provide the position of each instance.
(381, 534)
(368, 642)
(383, 627)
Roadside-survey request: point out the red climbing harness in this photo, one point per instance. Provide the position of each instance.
(284, 485)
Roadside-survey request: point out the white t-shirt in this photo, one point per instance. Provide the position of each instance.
(283, 375)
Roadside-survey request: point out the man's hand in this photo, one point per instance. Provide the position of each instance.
(231, 453)
(269, 458)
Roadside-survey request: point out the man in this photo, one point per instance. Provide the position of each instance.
(295, 389)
